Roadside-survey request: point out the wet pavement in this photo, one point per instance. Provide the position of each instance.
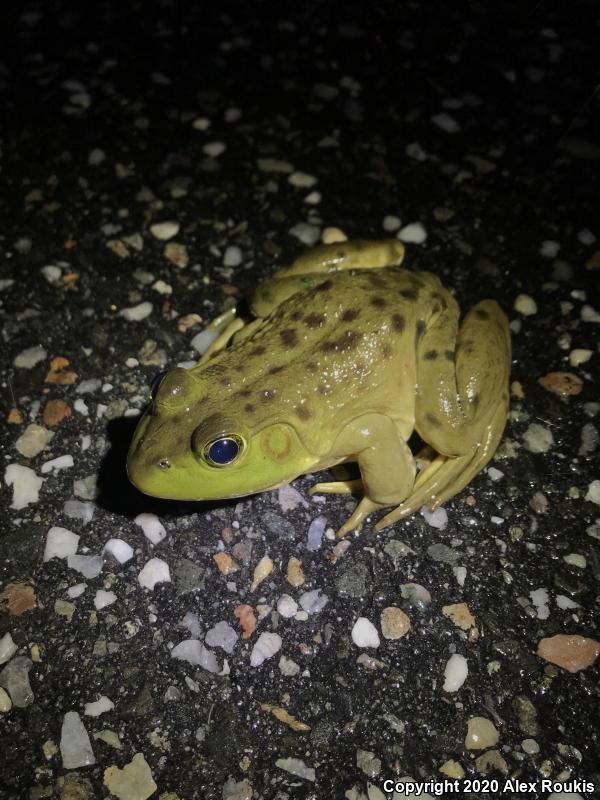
(157, 163)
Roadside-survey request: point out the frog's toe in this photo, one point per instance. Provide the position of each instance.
(337, 487)
(361, 512)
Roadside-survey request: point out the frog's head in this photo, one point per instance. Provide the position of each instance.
(185, 448)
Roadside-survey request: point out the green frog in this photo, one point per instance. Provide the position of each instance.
(346, 355)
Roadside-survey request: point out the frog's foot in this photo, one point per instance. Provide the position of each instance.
(227, 330)
(444, 477)
(361, 512)
(338, 487)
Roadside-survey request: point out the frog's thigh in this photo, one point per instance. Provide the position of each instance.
(462, 377)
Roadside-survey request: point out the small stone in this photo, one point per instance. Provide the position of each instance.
(575, 560)
(262, 570)
(98, 707)
(194, 652)
(266, 646)
(203, 340)
(33, 440)
(525, 305)
(5, 702)
(579, 357)
(153, 528)
(571, 652)
(455, 673)
(295, 575)
(394, 623)
(314, 601)
(164, 230)
(538, 439)
(54, 412)
(233, 257)
(287, 607)
(60, 543)
(333, 235)
(445, 122)
(25, 483)
(435, 519)
(177, 254)
(75, 746)
(119, 549)
(28, 358)
(539, 503)
(104, 598)
(391, 223)
(221, 635)
(364, 633)
(88, 566)
(413, 233)
(492, 760)
(154, 571)
(7, 648)
(593, 492)
(137, 313)
(530, 746)
(481, 733)
(416, 595)
(549, 249)
(133, 782)
(452, 769)
(296, 767)
(214, 149)
(302, 180)
(306, 233)
(460, 614)
(563, 384)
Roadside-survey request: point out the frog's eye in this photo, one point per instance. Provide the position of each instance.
(156, 382)
(223, 451)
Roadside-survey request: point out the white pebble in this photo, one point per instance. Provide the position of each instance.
(391, 223)
(33, 440)
(455, 673)
(164, 230)
(62, 462)
(29, 357)
(52, 273)
(203, 340)
(88, 566)
(307, 234)
(413, 233)
(136, 313)
(7, 648)
(26, 485)
(414, 150)
(290, 498)
(214, 149)
(274, 165)
(96, 156)
(549, 249)
(60, 543)
(593, 492)
(445, 122)
(104, 598)
(302, 180)
(575, 560)
(266, 646)
(313, 198)
(460, 573)
(564, 602)
(119, 549)
(77, 509)
(315, 532)
(530, 746)
(201, 124)
(153, 528)
(154, 571)
(540, 599)
(586, 237)
(287, 606)
(333, 235)
(75, 746)
(312, 602)
(222, 635)
(538, 439)
(495, 474)
(436, 519)
(578, 357)
(194, 652)
(589, 314)
(288, 667)
(76, 590)
(525, 305)
(364, 633)
(233, 257)
(99, 706)
(89, 386)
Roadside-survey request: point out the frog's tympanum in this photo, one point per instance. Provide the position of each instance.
(347, 355)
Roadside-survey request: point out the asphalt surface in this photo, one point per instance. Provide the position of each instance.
(258, 129)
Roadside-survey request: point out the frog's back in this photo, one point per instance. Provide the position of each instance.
(329, 354)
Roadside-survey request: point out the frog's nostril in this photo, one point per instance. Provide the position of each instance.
(164, 463)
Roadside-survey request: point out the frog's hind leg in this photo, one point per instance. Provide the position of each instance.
(444, 477)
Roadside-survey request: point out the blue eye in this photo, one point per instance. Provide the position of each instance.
(156, 382)
(223, 451)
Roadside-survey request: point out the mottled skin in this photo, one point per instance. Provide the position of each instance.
(348, 355)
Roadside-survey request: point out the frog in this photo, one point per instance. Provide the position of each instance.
(345, 354)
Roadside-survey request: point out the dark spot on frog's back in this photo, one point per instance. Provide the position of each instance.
(432, 420)
(481, 313)
(349, 340)
(449, 355)
(314, 320)
(302, 412)
(420, 328)
(325, 286)
(410, 294)
(274, 370)
(289, 337)
(378, 302)
(249, 408)
(386, 350)
(398, 323)
(312, 367)
(431, 355)
(377, 280)
(244, 393)
(296, 315)
(349, 314)
(259, 350)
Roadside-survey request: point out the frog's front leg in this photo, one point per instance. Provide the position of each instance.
(311, 268)
(385, 461)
